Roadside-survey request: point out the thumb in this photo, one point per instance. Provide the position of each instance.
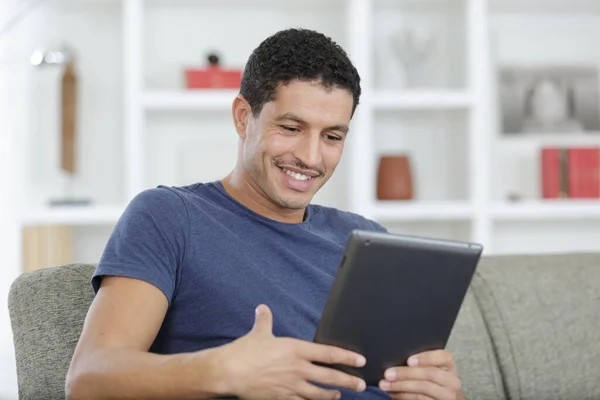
(263, 322)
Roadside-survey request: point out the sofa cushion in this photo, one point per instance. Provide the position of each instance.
(47, 309)
(474, 355)
(543, 315)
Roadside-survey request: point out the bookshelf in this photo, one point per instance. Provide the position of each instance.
(448, 121)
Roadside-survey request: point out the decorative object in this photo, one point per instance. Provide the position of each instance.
(213, 76)
(394, 178)
(413, 50)
(514, 197)
(63, 55)
(553, 99)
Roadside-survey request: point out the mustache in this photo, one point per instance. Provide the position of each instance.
(297, 164)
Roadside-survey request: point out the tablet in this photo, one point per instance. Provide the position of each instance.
(394, 296)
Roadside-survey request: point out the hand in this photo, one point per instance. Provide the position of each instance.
(430, 376)
(262, 366)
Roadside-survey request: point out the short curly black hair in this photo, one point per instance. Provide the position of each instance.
(296, 54)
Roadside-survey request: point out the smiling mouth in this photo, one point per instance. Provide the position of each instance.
(297, 176)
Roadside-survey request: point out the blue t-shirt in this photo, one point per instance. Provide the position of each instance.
(216, 261)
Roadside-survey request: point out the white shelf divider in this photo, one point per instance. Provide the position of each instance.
(72, 215)
(360, 145)
(134, 123)
(479, 71)
(422, 99)
(547, 210)
(423, 211)
(200, 99)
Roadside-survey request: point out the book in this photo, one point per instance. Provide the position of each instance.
(570, 172)
(553, 171)
(583, 177)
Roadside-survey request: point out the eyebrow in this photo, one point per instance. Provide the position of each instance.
(293, 117)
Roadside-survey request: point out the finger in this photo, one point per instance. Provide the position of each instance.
(410, 396)
(435, 375)
(333, 377)
(434, 358)
(263, 321)
(325, 354)
(424, 388)
(311, 392)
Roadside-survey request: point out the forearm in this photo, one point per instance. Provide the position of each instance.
(117, 373)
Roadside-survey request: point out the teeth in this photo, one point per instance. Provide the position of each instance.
(296, 175)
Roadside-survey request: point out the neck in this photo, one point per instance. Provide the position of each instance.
(239, 185)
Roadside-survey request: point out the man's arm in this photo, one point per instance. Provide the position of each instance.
(112, 360)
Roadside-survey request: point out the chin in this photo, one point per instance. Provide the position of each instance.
(297, 202)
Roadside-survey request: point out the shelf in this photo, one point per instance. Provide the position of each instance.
(193, 99)
(82, 215)
(222, 99)
(545, 7)
(270, 4)
(422, 211)
(547, 210)
(422, 99)
(550, 139)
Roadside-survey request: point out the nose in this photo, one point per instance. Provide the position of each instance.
(309, 150)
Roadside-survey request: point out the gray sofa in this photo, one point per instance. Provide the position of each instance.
(529, 328)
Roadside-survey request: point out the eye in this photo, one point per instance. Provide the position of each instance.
(333, 138)
(290, 128)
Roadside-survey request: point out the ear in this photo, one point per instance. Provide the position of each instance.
(241, 112)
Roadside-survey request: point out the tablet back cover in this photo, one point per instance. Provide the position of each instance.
(395, 296)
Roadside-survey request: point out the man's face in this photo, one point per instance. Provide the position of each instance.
(293, 147)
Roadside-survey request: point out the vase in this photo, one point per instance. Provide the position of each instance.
(394, 178)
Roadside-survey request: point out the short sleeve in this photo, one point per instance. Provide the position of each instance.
(148, 241)
(377, 226)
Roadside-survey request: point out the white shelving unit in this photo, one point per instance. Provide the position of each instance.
(461, 110)
(472, 100)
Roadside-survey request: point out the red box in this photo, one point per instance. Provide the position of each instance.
(213, 77)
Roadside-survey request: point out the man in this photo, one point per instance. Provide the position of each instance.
(186, 267)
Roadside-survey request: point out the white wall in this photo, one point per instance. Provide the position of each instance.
(11, 126)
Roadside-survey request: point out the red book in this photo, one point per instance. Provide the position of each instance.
(583, 178)
(551, 173)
